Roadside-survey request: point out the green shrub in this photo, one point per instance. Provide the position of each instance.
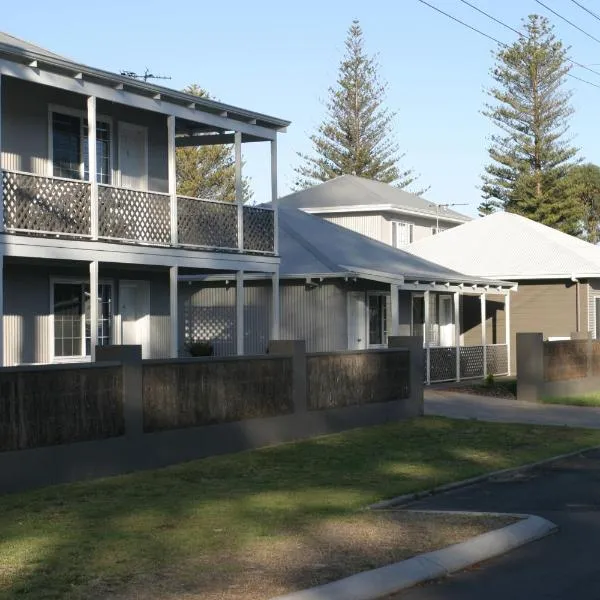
(489, 380)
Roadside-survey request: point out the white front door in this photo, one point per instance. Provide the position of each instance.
(133, 156)
(357, 325)
(446, 321)
(134, 311)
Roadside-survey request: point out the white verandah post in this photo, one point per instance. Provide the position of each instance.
(239, 190)
(395, 306)
(275, 317)
(174, 310)
(275, 309)
(1, 245)
(172, 176)
(482, 300)
(507, 329)
(93, 308)
(426, 336)
(92, 164)
(457, 332)
(239, 312)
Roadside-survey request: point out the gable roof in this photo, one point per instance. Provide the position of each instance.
(19, 50)
(312, 246)
(353, 191)
(505, 245)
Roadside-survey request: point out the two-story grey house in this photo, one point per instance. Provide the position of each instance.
(378, 210)
(93, 235)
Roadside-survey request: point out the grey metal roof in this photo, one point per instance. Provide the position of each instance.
(310, 245)
(23, 51)
(506, 245)
(350, 190)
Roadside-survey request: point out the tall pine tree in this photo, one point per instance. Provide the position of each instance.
(356, 136)
(584, 188)
(532, 156)
(207, 171)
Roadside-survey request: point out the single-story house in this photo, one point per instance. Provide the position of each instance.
(340, 290)
(558, 275)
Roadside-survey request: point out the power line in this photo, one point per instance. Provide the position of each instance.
(587, 10)
(573, 62)
(489, 37)
(569, 22)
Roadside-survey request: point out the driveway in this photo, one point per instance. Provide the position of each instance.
(459, 405)
(562, 566)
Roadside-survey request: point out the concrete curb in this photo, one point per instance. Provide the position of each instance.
(381, 582)
(406, 498)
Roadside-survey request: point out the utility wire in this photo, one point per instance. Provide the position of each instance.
(489, 37)
(587, 10)
(567, 21)
(573, 62)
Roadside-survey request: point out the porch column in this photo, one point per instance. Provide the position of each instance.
(92, 163)
(174, 311)
(93, 308)
(426, 335)
(239, 190)
(457, 332)
(395, 305)
(275, 318)
(2, 363)
(507, 335)
(172, 176)
(274, 200)
(239, 313)
(482, 300)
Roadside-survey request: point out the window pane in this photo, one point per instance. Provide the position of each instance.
(402, 233)
(66, 147)
(67, 319)
(376, 316)
(103, 143)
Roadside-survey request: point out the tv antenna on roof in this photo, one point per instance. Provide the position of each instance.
(144, 76)
(437, 212)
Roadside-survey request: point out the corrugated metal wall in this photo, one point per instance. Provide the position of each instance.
(593, 293)
(370, 225)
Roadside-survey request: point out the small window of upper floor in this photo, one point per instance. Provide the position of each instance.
(402, 233)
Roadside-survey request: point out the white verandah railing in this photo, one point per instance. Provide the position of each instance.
(442, 362)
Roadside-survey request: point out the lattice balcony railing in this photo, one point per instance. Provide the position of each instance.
(497, 359)
(471, 361)
(442, 363)
(259, 229)
(206, 223)
(46, 205)
(133, 215)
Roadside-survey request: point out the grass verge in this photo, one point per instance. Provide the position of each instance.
(592, 399)
(208, 528)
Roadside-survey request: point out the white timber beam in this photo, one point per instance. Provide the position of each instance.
(275, 300)
(174, 311)
(507, 334)
(482, 300)
(395, 306)
(275, 196)
(93, 308)
(239, 189)
(426, 318)
(457, 332)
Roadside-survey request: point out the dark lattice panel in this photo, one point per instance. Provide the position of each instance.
(206, 224)
(471, 361)
(259, 229)
(497, 359)
(442, 363)
(125, 214)
(215, 324)
(45, 204)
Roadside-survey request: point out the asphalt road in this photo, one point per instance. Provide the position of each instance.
(563, 566)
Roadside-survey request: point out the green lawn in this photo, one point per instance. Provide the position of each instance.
(178, 530)
(592, 399)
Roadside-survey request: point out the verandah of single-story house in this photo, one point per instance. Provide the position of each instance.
(340, 290)
(558, 275)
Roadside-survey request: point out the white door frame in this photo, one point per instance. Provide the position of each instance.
(132, 126)
(356, 302)
(142, 288)
(446, 299)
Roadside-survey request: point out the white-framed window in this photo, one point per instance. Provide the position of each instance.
(71, 317)
(377, 318)
(402, 233)
(68, 145)
(435, 230)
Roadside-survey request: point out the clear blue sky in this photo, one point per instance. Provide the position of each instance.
(279, 58)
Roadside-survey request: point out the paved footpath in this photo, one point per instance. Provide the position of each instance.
(459, 405)
(563, 566)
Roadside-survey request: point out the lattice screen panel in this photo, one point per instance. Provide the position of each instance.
(206, 224)
(259, 229)
(471, 361)
(125, 214)
(442, 363)
(215, 324)
(497, 359)
(45, 204)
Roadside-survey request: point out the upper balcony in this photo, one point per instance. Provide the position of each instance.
(60, 207)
